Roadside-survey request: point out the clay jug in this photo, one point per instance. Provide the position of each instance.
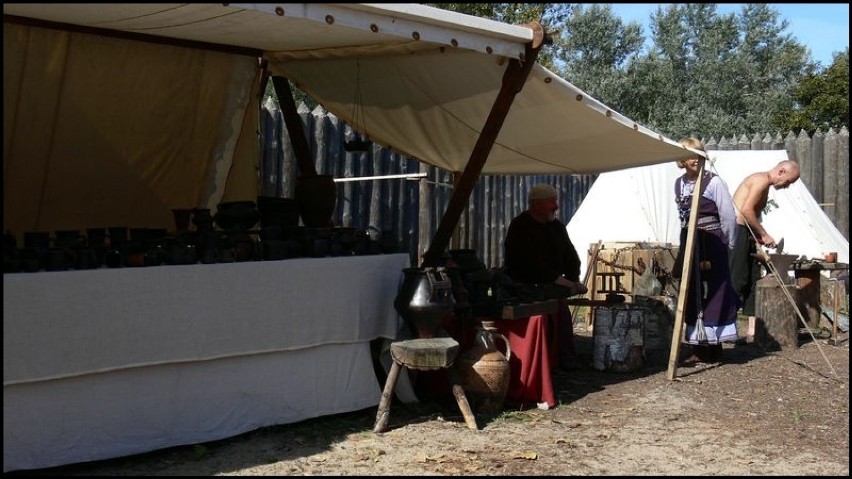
(424, 299)
(484, 370)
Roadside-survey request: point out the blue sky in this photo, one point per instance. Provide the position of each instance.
(821, 27)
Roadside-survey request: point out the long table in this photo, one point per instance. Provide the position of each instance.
(112, 362)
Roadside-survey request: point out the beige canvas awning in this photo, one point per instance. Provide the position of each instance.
(426, 78)
(171, 121)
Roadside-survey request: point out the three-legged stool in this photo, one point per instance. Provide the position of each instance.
(423, 354)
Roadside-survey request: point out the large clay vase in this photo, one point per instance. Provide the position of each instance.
(317, 199)
(424, 299)
(484, 371)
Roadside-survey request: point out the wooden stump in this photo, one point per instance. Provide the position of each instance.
(619, 332)
(777, 327)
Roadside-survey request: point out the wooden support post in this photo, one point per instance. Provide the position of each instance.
(677, 330)
(455, 241)
(513, 81)
(294, 126)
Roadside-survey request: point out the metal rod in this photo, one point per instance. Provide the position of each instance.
(382, 177)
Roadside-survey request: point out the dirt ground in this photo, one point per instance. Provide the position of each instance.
(754, 413)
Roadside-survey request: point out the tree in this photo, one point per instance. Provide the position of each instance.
(822, 99)
(709, 74)
(593, 48)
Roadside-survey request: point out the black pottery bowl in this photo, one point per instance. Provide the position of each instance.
(236, 215)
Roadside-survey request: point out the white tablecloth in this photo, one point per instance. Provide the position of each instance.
(109, 362)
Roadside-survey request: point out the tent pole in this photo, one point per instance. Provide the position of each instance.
(677, 330)
(455, 241)
(513, 81)
(294, 126)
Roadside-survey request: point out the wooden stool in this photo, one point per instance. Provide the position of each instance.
(424, 355)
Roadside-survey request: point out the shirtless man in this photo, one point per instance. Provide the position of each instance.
(750, 200)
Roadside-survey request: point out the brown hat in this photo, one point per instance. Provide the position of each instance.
(542, 192)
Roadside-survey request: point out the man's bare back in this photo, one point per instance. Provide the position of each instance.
(751, 196)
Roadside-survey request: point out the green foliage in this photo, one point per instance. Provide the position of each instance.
(705, 73)
(822, 99)
(710, 74)
(593, 48)
(298, 95)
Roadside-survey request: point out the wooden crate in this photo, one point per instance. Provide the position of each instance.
(624, 257)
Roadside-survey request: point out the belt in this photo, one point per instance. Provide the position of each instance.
(707, 223)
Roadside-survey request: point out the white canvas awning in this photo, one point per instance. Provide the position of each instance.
(426, 78)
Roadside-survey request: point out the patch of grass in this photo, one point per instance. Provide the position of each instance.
(515, 416)
(797, 416)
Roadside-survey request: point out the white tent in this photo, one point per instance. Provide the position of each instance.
(637, 205)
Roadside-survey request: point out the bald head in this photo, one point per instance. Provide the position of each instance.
(784, 174)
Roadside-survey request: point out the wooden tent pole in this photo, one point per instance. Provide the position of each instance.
(677, 331)
(513, 81)
(294, 126)
(455, 241)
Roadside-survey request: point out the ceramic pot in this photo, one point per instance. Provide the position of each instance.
(202, 219)
(316, 196)
(484, 371)
(96, 237)
(234, 216)
(182, 218)
(117, 236)
(277, 212)
(424, 299)
(36, 239)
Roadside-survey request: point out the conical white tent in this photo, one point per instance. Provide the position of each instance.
(637, 205)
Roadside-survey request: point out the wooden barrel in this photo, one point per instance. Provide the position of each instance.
(619, 332)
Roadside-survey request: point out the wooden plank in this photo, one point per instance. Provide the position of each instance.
(523, 310)
(677, 331)
(593, 258)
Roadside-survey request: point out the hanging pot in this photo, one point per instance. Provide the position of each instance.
(424, 299)
(317, 199)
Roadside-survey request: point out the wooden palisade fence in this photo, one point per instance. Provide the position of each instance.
(411, 209)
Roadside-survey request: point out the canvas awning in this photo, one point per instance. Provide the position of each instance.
(426, 78)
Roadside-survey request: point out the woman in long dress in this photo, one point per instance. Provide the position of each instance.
(711, 303)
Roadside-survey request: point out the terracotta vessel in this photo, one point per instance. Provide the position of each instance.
(484, 370)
